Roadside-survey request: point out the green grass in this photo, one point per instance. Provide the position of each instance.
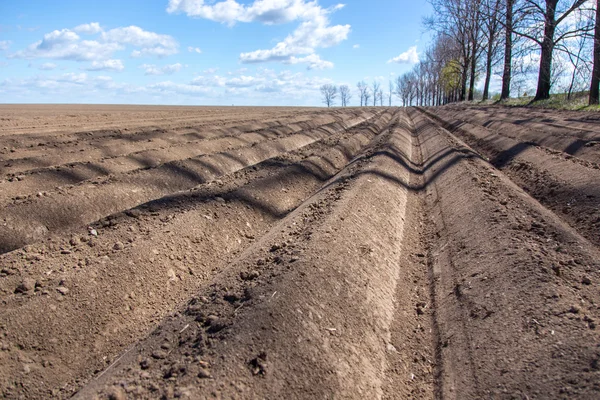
(558, 101)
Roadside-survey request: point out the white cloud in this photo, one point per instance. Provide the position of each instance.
(152, 69)
(313, 61)
(66, 44)
(284, 84)
(283, 88)
(313, 32)
(4, 44)
(107, 65)
(356, 46)
(410, 56)
(268, 12)
(150, 42)
(210, 71)
(88, 29)
(181, 88)
(47, 66)
(194, 50)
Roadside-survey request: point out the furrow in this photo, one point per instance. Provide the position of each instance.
(139, 266)
(304, 322)
(514, 306)
(41, 180)
(568, 187)
(33, 219)
(568, 137)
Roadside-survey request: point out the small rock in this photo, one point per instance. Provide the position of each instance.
(74, 241)
(586, 281)
(160, 354)
(117, 393)
(231, 297)
(119, 246)
(258, 365)
(62, 290)
(203, 373)
(275, 247)
(215, 324)
(27, 285)
(220, 199)
(574, 309)
(93, 232)
(145, 363)
(248, 276)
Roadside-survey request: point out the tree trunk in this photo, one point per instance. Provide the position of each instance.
(507, 51)
(594, 88)
(473, 77)
(488, 67)
(545, 74)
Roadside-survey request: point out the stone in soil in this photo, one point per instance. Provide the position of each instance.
(27, 285)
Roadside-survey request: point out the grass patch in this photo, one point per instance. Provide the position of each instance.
(558, 101)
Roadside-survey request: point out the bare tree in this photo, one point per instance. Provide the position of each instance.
(492, 28)
(508, 47)
(376, 88)
(329, 93)
(345, 95)
(367, 95)
(362, 90)
(595, 84)
(545, 25)
(390, 92)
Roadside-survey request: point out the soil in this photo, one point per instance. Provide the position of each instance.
(197, 252)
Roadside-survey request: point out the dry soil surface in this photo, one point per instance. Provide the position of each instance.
(267, 253)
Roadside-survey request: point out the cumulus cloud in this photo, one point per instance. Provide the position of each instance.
(410, 56)
(106, 65)
(178, 88)
(284, 84)
(284, 87)
(313, 61)
(151, 69)
(47, 66)
(66, 44)
(268, 12)
(88, 29)
(314, 31)
(4, 44)
(194, 50)
(151, 43)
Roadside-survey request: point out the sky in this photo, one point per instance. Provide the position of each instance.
(203, 52)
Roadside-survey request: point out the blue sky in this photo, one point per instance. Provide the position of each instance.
(221, 52)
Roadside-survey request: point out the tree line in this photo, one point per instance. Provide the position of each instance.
(554, 43)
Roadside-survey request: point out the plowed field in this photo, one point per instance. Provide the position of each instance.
(269, 253)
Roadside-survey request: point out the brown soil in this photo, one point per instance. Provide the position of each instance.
(296, 253)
